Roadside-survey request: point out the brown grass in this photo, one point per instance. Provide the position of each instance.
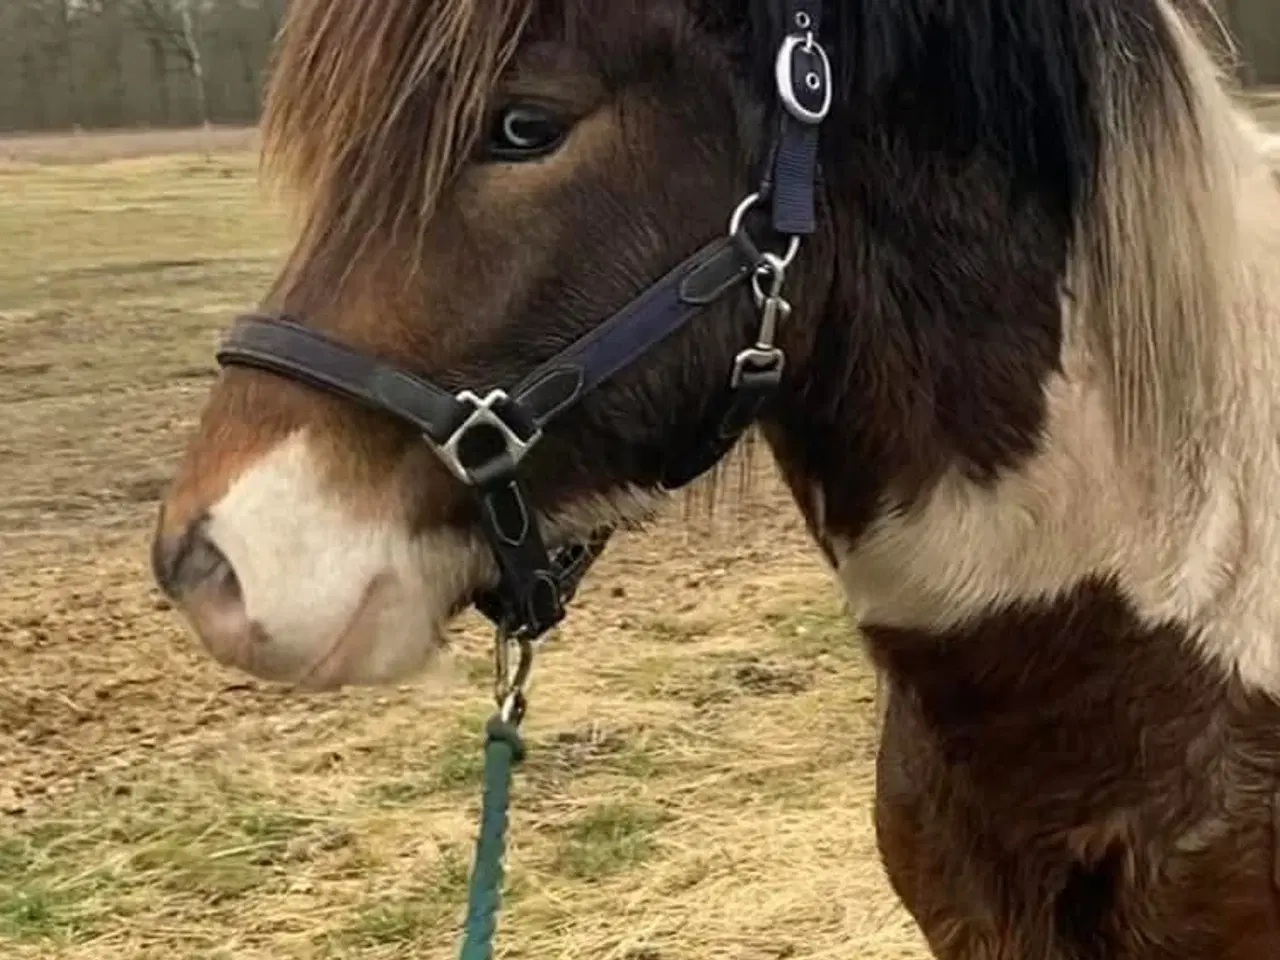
(701, 732)
(93, 147)
(700, 772)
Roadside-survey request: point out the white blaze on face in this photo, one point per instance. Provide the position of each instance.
(330, 598)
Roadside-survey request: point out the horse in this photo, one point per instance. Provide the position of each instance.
(996, 282)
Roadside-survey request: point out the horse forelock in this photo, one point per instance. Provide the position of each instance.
(373, 105)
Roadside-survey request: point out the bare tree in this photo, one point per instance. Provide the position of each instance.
(170, 28)
(195, 61)
(112, 63)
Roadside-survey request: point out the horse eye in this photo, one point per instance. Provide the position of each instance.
(523, 132)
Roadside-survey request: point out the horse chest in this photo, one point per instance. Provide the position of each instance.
(1063, 783)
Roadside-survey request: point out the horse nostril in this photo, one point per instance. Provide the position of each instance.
(184, 563)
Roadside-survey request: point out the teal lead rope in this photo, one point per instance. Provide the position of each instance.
(503, 751)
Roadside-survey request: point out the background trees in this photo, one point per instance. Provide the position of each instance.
(132, 63)
(140, 63)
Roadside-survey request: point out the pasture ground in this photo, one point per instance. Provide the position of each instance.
(701, 733)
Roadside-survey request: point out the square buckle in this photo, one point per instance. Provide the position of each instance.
(485, 414)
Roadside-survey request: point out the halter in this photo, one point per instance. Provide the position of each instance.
(483, 437)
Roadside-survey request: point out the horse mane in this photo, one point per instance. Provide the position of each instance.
(1116, 114)
(1156, 267)
(353, 82)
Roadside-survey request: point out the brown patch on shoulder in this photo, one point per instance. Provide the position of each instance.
(1275, 846)
(931, 362)
(1062, 781)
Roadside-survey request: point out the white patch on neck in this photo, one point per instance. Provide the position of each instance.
(1207, 557)
(1201, 546)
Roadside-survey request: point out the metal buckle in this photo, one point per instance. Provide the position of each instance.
(484, 414)
(763, 364)
(735, 224)
(817, 79)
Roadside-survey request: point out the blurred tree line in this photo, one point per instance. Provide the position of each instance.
(1256, 26)
(155, 63)
(133, 63)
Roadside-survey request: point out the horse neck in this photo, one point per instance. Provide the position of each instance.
(951, 437)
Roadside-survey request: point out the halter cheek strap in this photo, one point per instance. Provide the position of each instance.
(483, 437)
(802, 76)
(803, 89)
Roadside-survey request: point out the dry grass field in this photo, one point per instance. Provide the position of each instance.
(701, 732)
(95, 147)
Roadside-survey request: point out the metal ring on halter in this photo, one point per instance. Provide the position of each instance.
(735, 224)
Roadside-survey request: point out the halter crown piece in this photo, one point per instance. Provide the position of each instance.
(483, 436)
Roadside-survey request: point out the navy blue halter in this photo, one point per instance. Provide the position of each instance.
(483, 439)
